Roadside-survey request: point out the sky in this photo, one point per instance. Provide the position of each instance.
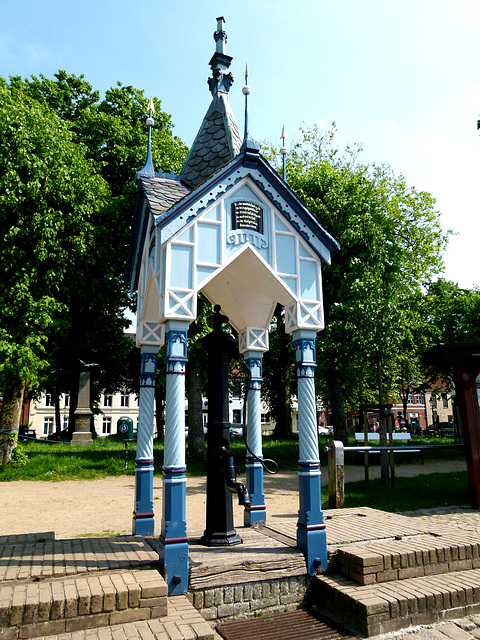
(399, 77)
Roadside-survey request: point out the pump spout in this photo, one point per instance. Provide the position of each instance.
(231, 481)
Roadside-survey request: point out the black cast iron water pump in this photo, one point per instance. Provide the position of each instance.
(221, 466)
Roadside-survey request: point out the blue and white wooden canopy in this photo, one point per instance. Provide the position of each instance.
(230, 227)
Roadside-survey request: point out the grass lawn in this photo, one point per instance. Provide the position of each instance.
(62, 461)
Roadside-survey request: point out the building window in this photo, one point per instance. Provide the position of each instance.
(237, 416)
(265, 418)
(124, 399)
(47, 425)
(445, 400)
(65, 422)
(411, 398)
(106, 425)
(48, 400)
(108, 400)
(433, 401)
(66, 400)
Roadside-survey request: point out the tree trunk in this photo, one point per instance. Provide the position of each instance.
(74, 386)
(10, 421)
(196, 440)
(337, 405)
(384, 469)
(58, 424)
(160, 399)
(282, 410)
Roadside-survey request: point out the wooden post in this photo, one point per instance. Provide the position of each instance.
(336, 475)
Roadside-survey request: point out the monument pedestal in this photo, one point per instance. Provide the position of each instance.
(83, 413)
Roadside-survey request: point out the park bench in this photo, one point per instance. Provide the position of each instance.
(397, 437)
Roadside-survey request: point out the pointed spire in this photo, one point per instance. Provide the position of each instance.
(220, 80)
(248, 141)
(218, 140)
(284, 151)
(148, 171)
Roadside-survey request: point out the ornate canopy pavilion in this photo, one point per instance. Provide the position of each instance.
(229, 227)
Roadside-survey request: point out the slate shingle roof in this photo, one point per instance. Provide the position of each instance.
(162, 193)
(218, 141)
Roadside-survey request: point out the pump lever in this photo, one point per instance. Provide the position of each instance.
(231, 478)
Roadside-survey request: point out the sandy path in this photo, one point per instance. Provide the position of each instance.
(87, 507)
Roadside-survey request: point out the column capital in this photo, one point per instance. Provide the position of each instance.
(148, 366)
(176, 346)
(254, 362)
(305, 352)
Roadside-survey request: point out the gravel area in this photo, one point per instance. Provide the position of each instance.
(105, 506)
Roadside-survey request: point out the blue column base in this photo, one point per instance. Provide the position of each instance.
(173, 540)
(174, 565)
(143, 517)
(256, 511)
(311, 535)
(313, 542)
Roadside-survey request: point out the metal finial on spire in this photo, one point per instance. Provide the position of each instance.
(221, 81)
(284, 151)
(151, 106)
(246, 92)
(148, 171)
(220, 36)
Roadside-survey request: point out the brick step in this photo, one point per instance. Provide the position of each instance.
(390, 606)
(65, 605)
(40, 556)
(408, 557)
(182, 621)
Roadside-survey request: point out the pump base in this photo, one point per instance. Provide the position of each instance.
(223, 539)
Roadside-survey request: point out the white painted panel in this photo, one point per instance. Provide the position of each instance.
(186, 236)
(181, 267)
(213, 214)
(208, 243)
(304, 253)
(286, 258)
(280, 226)
(308, 280)
(203, 273)
(291, 284)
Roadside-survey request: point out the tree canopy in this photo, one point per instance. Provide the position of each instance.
(68, 163)
(391, 249)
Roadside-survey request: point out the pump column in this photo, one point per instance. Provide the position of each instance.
(173, 539)
(311, 535)
(143, 519)
(256, 511)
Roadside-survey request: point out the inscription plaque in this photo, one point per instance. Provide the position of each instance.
(247, 215)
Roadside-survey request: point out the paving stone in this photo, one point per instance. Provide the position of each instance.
(454, 632)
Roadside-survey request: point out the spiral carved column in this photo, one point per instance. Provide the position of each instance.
(311, 536)
(173, 538)
(256, 511)
(143, 518)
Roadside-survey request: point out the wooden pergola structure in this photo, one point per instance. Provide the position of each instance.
(464, 359)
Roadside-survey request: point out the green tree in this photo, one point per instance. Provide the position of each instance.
(49, 193)
(111, 135)
(114, 132)
(454, 312)
(391, 247)
(278, 385)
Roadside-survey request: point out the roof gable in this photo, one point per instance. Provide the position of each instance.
(250, 162)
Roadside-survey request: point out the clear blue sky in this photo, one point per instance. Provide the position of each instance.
(400, 77)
